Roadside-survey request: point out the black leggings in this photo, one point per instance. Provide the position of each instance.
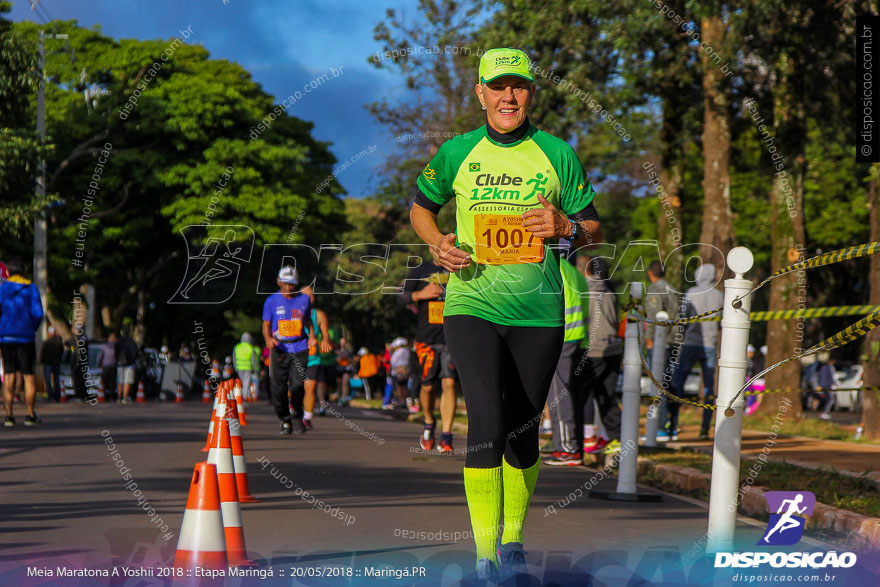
(287, 372)
(505, 374)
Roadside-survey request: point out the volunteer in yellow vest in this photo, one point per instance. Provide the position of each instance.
(246, 358)
(515, 187)
(562, 401)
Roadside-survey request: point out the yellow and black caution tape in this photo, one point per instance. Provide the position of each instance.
(767, 315)
(664, 390)
(847, 335)
(844, 337)
(837, 256)
(704, 317)
(817, 261)
(673, 397)
(825, 312)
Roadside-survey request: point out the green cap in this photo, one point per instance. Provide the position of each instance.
(505, 61)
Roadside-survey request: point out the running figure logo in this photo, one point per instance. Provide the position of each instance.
(538, 188)
(786, 526)
(214, 257)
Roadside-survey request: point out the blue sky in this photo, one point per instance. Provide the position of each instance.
(284, 44)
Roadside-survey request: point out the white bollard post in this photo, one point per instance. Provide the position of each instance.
(629, 418)
(658, 366)
(732, 364)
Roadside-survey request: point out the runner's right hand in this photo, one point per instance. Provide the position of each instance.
(448, 256)
(271, 343)
(431, 291)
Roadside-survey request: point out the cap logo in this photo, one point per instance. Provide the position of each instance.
(511, 60)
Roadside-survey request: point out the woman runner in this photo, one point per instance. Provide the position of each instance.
(516, 189)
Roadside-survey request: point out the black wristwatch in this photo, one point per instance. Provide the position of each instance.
(575, 230)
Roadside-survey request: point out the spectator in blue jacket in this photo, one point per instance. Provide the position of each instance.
(22, 311)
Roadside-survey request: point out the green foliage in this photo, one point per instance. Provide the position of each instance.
(162, 126)
(20, 145)
(835, 206)
(182, 126)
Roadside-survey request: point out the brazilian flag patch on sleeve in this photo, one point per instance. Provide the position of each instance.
(474, 166)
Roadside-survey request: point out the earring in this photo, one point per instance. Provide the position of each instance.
(484, 106)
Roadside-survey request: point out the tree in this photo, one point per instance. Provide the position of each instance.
(440, 99)
(439, 104)
(871, 352)
(162, 126)
(805, 60)
(717, 232)
(20, 147)
(658, 61)
(586, 96)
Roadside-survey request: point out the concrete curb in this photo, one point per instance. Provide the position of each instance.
(862, 530)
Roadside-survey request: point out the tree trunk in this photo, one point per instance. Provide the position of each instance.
(106, 318)
(138, 332)
(785, 337)
(717, 231)
(669, 228)
(871, 357)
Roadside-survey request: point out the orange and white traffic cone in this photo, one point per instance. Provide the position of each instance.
(206, 393)
(253, 395)
(178, 397)
(221, 456)
(140, 398)
(101, 397)
(202, 540)
(241, 478)
(239, 403)
(217, 412)
(63, 391)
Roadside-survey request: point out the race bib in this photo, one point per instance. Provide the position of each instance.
(290, 328)
(502, 240)
(435, 312)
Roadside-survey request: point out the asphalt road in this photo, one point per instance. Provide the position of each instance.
(64, 504)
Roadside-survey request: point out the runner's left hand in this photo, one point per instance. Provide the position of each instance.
(546, 222)
(326, 346)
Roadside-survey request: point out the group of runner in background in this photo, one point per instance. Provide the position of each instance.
(582, 411)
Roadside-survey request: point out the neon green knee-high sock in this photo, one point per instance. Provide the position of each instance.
(519, 484)
(483, 490)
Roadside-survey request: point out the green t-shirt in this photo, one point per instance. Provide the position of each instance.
(488, 178)
(315, 356)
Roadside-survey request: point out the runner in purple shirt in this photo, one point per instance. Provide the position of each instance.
(288, 331)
